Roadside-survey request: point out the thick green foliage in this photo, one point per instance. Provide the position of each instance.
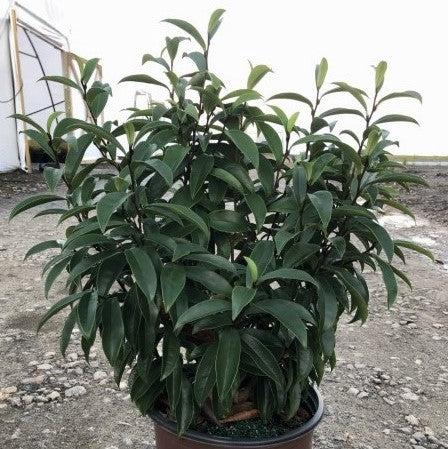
(209, 258)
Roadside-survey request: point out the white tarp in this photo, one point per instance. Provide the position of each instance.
(41, 43)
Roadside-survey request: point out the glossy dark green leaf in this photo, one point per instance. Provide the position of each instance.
(87, 313)
(414, 247)
(61, 304)
(202, 310)
(290, 314)
(245, 144)
(273, 140)
(200, 169)
(227, 360)
(62, 80)
(52, 177)
(112, 330)
(241, 297)
(258, 208)
(210, 280)
(205, 374)
(33, 201)
(171, 352)
(394, 118)
(257, 73)
(189, 29)
(142, 78)
(323, 203)
(227, 221)
(404, 94)
(67, 329)
(143, 270)
(292, 96)
(262, 357)
(172, 281)
(107, 205)
(42, 246)
(288, 273)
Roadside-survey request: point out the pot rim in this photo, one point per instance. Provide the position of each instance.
(308, 426)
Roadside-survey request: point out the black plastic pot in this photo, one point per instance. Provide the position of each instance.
(299, 438)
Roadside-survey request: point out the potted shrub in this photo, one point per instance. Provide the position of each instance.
(216, 254)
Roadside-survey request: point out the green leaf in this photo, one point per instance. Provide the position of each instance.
(299, 179)
(292, 122)
(323, 203)
(228, 221)
(210, 280)
(289, 314)
(327, 304)
(294, 400)
(339, 111)
(389, 281)
(33, 201)
(251, 272)
(185, 412)
(227, 360)
(42, 246)
(380, 235)
(172, 280)
(56, 308)
(185, 213)
(189, 29)
(394, 118)
(26, 119)
(143, 270)
(262, 358)
(200, 169)
(142, 78)
(87, 313)
(171, 352)
(228, 178)
(162, 169)
(214, 22)
(67, 330)
(241, 297)
(414, 247)
(380, 71)
(205, 374)
(273, 140)
(288, 273)
(202, 310)
(257, 73)
(89, 69)
(108, 272)
(404, 94)
(54, 273)
(52, 177)
(292, 96)
(112, 331)
(321, 72)
(62, 80)
(245, 144)
(399, 177)
(258, 208)
(281, 115)
(262, 255)
(107, 205)
(215, 260)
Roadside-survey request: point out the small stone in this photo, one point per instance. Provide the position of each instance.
(73, 356)
(54, 395)
(363, 395)
(99, 375)
(405, 430)
(15, 435)
(389, 401)
(386, 431)
(49, 355)
(353, 391)
(15, 401)
(409, 396)
(9, 390)
(44, 367)
(27, 399)
(75, 391)
(34, 380)
(412, 420)
(419, 436)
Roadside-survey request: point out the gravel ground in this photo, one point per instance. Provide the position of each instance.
(390, 389)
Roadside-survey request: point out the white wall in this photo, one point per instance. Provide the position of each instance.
(290, 36)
